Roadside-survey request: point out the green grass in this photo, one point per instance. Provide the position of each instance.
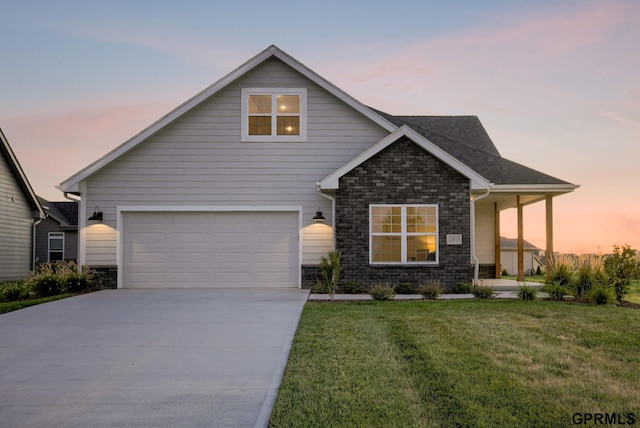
(633, 295)
(459, 363)
(14, 306)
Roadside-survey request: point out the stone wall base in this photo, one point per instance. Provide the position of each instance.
(105, 276)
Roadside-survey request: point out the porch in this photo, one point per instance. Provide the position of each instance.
(499, 284)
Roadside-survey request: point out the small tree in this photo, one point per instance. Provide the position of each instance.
(621, 268)
(330, 271)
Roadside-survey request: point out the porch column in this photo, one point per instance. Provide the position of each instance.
(520, 241)
(497, 241)
(549, 245)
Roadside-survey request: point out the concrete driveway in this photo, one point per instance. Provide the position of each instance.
(157, 358)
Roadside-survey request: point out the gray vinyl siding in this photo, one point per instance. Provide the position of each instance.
(16, 227)
(199, 160)
(42, 240)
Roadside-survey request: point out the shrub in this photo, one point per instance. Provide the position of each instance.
(482, 292)
(462, 288)
(601, 295)
(588, 274)
(351, 287)
(556, 291)
(50, 279)
(621, 268)
(12, 291)
(406, 288)
(526, 292)
(44, 282)
(431, 289)
(504, 272)
(330, 271)
(319, 288)
(562, 267)
(382, 292)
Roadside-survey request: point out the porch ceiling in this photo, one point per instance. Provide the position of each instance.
(508, 200)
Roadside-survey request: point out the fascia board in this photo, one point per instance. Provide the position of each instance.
(19, 174)
(70, 184)
(477, 181)
(534, 188)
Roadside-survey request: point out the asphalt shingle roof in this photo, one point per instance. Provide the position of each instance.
(65, 213)
(465, 138)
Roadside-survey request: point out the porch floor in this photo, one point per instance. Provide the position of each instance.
(507, 284)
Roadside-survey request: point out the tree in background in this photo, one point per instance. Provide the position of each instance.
(621, 268)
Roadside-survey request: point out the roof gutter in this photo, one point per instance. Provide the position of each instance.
(476, 262)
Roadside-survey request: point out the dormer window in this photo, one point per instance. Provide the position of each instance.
(274, 114)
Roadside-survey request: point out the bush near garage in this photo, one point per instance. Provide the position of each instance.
(49, 279)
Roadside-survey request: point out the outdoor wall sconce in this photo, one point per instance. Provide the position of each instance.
(97, 215)
(319, 218)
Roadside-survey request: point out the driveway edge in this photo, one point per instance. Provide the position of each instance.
(272, 392)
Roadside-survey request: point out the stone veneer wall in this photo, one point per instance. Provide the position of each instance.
(403, 173)
(105, 276)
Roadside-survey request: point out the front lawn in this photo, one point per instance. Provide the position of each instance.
(633, 294)
(459, 363)
(20, 304)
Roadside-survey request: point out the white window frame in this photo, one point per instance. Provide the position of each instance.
(403, 235)
(273, 92)
(56, 235)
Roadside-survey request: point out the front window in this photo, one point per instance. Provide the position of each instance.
(403, 234)
(56, 246)
(273, 114)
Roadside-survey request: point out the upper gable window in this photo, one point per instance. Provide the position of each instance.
(274, 114)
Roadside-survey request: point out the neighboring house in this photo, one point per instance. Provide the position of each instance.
(57, 234)
(509, 256)
(19, 212)
(252, 180)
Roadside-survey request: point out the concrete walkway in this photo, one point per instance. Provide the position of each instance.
(156, 358)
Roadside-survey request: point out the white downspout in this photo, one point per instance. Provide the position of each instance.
(476, 262)
(333, 214)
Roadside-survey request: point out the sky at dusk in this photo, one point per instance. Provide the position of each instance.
(556, 84)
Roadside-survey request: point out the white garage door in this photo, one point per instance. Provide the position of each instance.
(205, 249)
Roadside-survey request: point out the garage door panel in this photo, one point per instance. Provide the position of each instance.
(210, 249)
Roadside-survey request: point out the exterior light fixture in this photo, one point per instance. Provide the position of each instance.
(97, 215)
(319, 218)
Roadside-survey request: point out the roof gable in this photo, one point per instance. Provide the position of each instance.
(20, 176)
(65, 213)
(72, 183)
(477, 181)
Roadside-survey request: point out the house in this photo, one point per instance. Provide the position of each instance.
(509, 256)
(19, 213)
(252, 180)
(57, 234)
